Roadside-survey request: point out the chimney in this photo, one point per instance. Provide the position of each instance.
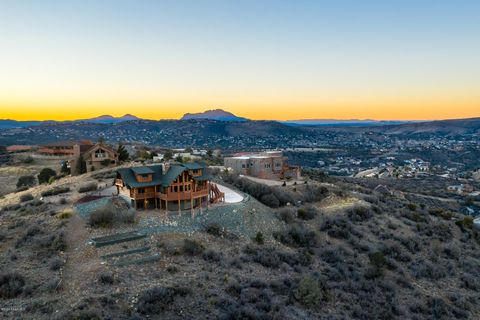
(165, 167)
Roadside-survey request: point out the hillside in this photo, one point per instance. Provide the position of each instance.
(164, 132)
(349, 253)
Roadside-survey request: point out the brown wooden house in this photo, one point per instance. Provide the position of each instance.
(168, 187)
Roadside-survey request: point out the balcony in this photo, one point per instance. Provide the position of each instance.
(184, 195)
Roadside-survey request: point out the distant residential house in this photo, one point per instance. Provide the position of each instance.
(95, 155)
(461, 188)
(65, 148)
(19, 148)
(168, 187)
(266, 165)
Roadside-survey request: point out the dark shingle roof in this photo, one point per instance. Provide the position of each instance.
(142, 170)
(159, 177)
(193, 165)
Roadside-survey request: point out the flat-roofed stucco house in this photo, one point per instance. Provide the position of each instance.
(265, 165)
(169, 187)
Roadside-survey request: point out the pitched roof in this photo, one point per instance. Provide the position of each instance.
(159, 177)
(142, 170)
(193, 165)
(172, 174)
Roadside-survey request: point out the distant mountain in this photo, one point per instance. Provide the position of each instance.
(342, 123)
(217, 114)
(111, 119)
(11, 124)
(445, 127)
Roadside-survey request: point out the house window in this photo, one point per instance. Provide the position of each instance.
(181, 188)
(141, 190)
(243, 165)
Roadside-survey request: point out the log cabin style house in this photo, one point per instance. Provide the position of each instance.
(168, 187)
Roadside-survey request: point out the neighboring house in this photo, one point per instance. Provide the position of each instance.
(266, 165)
(168, 187)
(65, 148)
(19, 148)
(97, 157)
(461, 188)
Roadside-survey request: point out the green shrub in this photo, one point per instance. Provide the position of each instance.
(467, 222)
(26, 197)
(309, 292)
(55, 191)
(192, 247)
(45, 175)
(26, 181)
(28, 160)
(259, 238)
(108, 216)
(11, 285)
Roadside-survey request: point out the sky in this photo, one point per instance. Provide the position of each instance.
(260, 59)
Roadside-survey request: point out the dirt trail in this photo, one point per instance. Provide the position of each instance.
(82, 262)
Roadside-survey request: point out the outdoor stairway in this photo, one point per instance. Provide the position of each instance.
(216, 195)
(116, 252)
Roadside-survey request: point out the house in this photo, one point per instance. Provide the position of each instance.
(169, 187)
(461, 188)
(65, 148)
(96, 155)
(19, 148)
(265, 165)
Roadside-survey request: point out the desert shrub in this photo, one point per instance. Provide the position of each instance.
(412, 206)
(158, 299)
(287, 215)
(26, 181)
(106, 278)
(11, 285)
(297, 235)
(313, 193)
(62, 201)
(214, 229)
(309, 292)
(26, 197)
(393, 250)
(259, 238)
(192, 247)
(45, 175)
(465, 223)
(337, 227)
(55, 191)
(21, 189)
(307, 213)
(334, 255)
(425, 269)
(212, 255)
(92, 186)
(270, 200)
(359, 213)
(55, 264)
(444, 214)
(28, 160)
(411, 243)
(109, 215)
(270, 257)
